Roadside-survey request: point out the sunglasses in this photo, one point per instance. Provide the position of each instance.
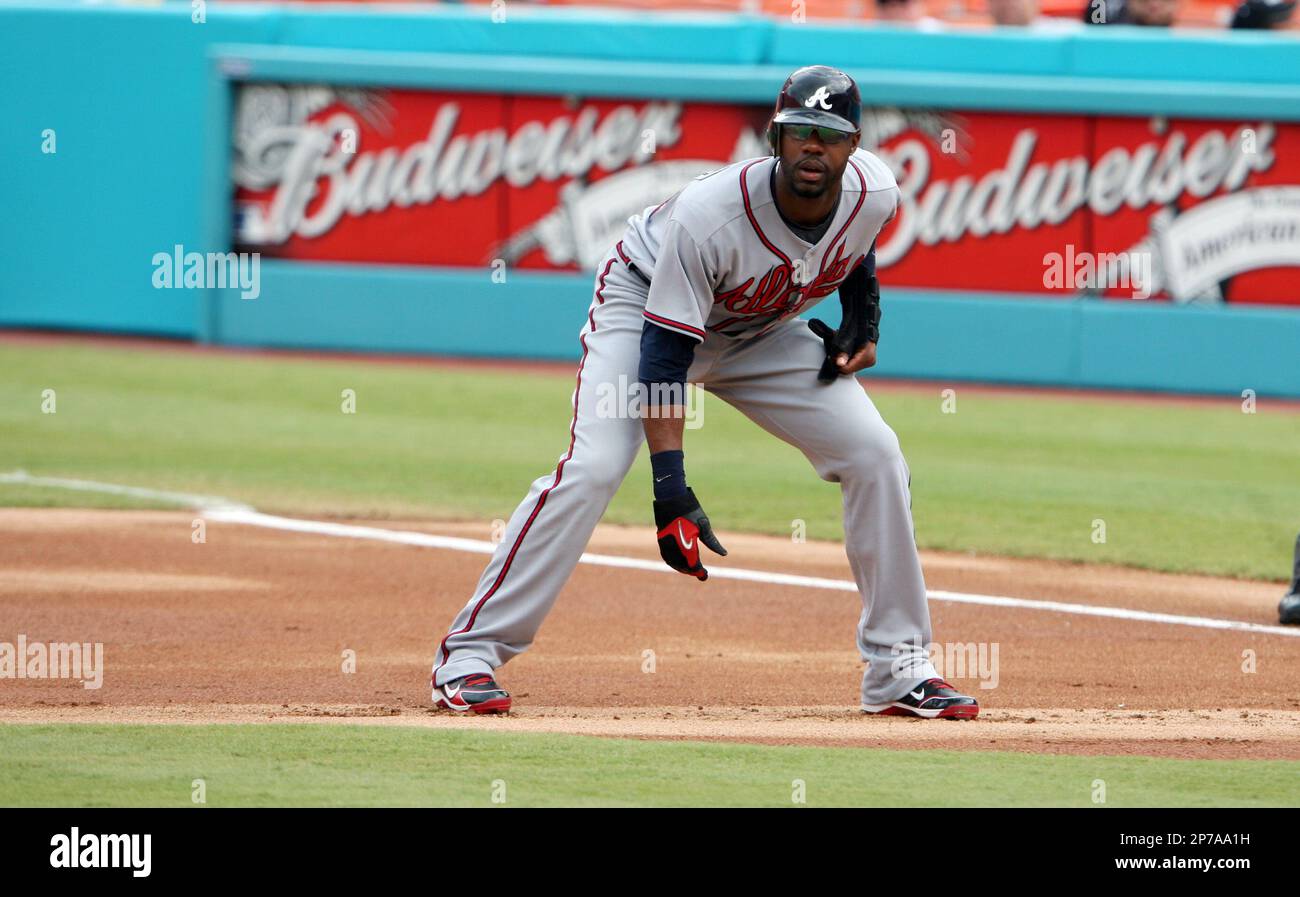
(827, 136)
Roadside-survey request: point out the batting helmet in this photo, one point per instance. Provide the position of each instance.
(817, 95)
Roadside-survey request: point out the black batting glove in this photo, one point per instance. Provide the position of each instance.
(859, 325)
(681, 526)
(835, 347)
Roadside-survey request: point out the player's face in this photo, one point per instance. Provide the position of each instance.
(812, 164)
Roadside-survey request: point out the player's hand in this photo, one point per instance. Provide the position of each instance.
(845, 352)
(860, 361)
(681, 526)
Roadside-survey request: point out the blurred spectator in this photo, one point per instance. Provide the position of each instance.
(1027, 14)
(1013, 12)
(1263, 14)
(906, 12)
(1154, 13)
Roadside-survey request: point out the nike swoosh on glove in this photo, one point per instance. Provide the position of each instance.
(681, 526)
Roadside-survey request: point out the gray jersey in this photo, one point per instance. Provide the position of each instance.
(721, 260)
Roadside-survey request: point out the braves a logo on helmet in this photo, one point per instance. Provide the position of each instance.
(819, 98)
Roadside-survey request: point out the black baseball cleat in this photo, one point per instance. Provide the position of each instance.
(477, 692)
(1289, 610)
(932, 699)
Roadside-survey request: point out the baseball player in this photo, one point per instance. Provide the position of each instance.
(706, 288)
(1288, 609)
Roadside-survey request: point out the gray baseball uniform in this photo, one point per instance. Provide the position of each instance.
(717, 262)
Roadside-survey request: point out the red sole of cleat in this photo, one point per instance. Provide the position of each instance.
(496, 705)
(950, 713)
(894, 711)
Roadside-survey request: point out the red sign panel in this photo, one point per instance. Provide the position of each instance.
(1194, 211)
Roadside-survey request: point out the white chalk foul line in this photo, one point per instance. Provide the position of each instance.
(204, 502)
(226, 511)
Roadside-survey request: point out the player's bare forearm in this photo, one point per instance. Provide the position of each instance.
(664, 428)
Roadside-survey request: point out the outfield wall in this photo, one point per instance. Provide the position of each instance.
(139, 102)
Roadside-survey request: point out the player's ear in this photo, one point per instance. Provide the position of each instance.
(854, 141)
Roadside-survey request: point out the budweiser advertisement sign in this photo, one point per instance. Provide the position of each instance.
(991, 201)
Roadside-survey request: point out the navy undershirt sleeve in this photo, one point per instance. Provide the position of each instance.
(666, 356)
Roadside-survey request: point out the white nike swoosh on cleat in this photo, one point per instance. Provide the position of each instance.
(917, 694)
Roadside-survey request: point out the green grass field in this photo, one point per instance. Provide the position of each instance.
(1195, 489)
(329, 765)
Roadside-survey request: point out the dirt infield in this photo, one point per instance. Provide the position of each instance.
(252, 625)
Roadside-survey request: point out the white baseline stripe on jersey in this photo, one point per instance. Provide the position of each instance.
(225, 511)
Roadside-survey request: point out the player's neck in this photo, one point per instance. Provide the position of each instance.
(806, 211)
